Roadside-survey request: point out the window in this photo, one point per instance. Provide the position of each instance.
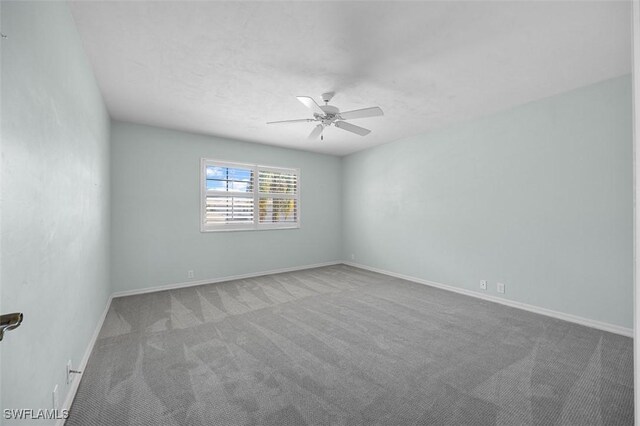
(238, 196)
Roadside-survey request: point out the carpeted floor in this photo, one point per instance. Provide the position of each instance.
(344, 346)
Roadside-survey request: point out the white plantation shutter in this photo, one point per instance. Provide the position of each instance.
(238, 196)
(228, 198)
(278, 196)
(229, 210)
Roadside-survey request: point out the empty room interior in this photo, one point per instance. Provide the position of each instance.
(317, 213)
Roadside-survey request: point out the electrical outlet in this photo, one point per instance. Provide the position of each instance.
(500, 288)
(55, 397)
(190, 273)
(483, 284)
(353, 256)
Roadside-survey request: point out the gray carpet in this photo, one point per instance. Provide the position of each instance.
(344, 346)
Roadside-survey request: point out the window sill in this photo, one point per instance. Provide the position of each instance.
(274, 228)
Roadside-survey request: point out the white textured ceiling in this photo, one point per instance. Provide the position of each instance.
(226, 68)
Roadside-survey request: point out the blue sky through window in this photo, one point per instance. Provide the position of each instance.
(228, 179)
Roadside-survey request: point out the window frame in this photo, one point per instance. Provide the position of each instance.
(255, 225)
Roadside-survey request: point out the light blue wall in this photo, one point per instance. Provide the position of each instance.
(156, 235)
(55, 201)
(538, 197)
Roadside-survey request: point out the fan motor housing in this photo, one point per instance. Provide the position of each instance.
(329, 109)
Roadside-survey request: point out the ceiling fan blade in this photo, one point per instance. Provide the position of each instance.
(302, 120)
(316, 132)
(361, 113)
(311, 104)
(352, 128)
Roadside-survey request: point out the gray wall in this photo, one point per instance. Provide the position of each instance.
(55, 201)
(538, 197)
(156, 234)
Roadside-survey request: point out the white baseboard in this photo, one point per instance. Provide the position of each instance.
(221, 279)
(83, 363)
(531, 308)
(71, 393)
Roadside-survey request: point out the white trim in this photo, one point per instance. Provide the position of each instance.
(221, 279)
(71, 393)
(524, 306)
(535, 309)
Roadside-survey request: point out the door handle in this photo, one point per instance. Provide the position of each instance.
(9, 322)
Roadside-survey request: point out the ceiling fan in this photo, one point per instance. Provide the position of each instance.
(327, 115)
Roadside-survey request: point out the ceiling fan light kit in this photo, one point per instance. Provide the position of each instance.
(328, 115)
